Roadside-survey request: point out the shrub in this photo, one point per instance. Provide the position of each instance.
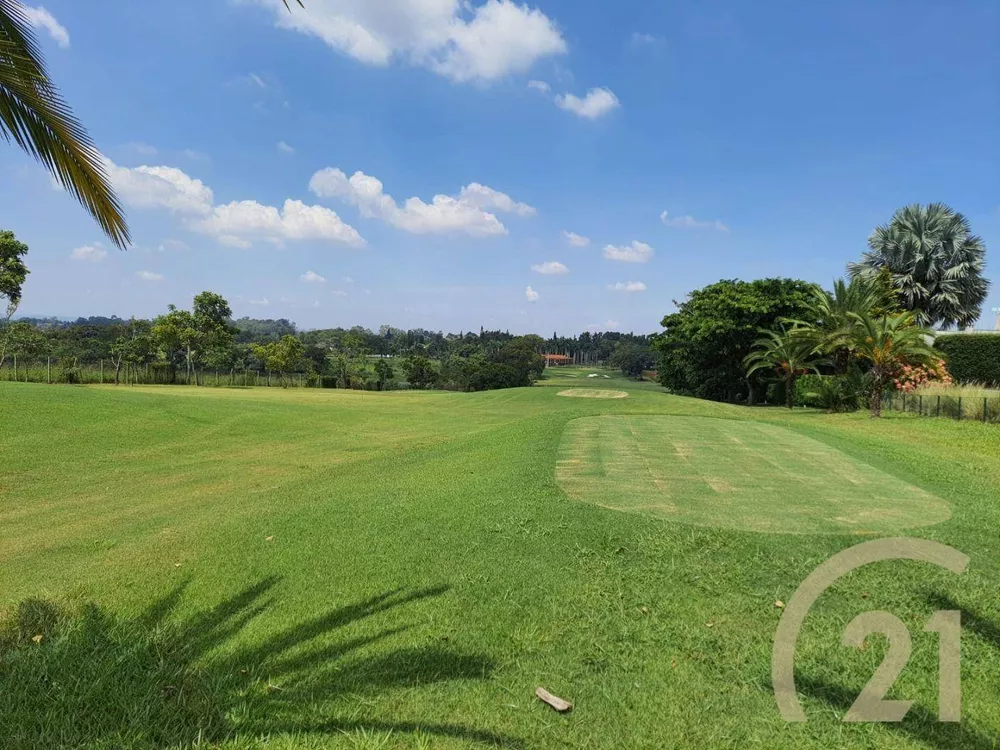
(972, 358)
(69, 373)
(834, 393)
(912, 377)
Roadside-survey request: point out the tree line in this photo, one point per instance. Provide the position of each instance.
(748, 341)
(181, 345)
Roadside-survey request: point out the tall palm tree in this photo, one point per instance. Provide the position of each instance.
(35, 117)
(887, 343)
(830, 321)
(790, 354)
(936, 264)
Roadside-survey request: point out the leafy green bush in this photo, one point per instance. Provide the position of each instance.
(835, 393)
(972, 358)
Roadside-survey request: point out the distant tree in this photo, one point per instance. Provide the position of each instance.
(521, 354)
(176, 332)
(24, 341)
(787, 354)
(384, 373)
(935, 261)
(631, 358)
(701, 352)
(283, 356)
(133, 347)
(212, 318)
(13, 272)
(419, 371)
(885, 344)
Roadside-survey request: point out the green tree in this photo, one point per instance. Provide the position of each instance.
(133, 347)
(384, 373)
(34, 116)
(13, 272)
(788, 354)
(283, 356)
(830, 325)
(213, 322)
(702, 348)
(936, 263)
(631, 358)
(176, 332)
(887, 343)
(419, 372)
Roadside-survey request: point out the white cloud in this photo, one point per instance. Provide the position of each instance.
(627, 286)
(311, 277)
(263, 302)
(240, 222)
(575, 239)
(142, 149)
(161, 187)
(42, 19)
(551, 267)
(689, 222)
(285, 148)
(237, 223)
(540, 86)
(596, 103)
(93, 253)
(484, 197)
(454, 38)
(338, 293)
(172, 244)
(257, 81)
(640, 39)
(465, 213)
(149, 276)
(637, 252)
(531, 295)
(348, 280)
(190, 153)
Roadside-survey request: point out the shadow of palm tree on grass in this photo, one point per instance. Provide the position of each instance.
(89, 679)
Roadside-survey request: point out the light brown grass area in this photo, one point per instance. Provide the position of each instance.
(734, 474)
(592, 393)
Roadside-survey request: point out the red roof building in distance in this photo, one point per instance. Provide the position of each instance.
(557, 359)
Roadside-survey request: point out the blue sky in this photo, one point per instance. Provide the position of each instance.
(249, 145)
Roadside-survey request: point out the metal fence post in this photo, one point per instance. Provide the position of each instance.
(921, 402)
(985, 408)
(938, 414)
(959, 407)
(48, 370)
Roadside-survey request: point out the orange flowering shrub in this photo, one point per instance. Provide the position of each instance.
(911, 377)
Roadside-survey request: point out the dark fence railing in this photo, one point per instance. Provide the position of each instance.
(53, 371)
(977, 407)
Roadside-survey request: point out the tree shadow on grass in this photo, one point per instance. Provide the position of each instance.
(89, 679)
(920, 724)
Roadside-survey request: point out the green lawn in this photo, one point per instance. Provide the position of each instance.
(313, 568)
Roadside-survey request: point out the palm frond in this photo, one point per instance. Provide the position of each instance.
(36, 118)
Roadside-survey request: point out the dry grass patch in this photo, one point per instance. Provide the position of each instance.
(735, 474)
(592, 393)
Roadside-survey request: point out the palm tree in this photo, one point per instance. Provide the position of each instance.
(887, 343)
(35, 117)
(790, 354)
(935, 261)
(830, 323)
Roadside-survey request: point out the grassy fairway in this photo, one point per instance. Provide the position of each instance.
(312, 569)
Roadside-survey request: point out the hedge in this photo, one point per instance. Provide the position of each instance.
(972, 357)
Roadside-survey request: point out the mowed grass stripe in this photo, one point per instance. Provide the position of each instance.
(735, 474)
